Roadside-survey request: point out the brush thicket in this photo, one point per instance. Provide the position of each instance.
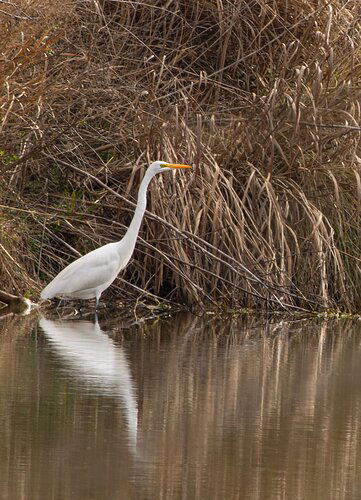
(262, 97)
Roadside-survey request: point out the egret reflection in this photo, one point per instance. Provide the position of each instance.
(93, 358)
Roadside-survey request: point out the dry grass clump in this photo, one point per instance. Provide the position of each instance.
(17, 268)
(263, 97)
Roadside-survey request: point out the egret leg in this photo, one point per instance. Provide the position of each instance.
(60, 302)
(96, 303)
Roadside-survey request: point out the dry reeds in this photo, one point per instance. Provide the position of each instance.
(263, 97)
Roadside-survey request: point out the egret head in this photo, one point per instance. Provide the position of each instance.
(162, 166)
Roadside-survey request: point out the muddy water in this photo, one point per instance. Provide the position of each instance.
(180, 408)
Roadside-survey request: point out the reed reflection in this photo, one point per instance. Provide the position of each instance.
(256, 413)
(236, 409)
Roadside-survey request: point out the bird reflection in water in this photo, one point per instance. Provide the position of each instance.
(97, 361)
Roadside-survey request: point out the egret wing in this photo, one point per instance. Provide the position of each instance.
(87, 272)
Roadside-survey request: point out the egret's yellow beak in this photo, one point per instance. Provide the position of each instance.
(175, 165)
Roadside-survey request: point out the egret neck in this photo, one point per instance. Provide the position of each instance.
(130, 236)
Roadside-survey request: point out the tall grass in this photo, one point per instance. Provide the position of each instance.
(262, 97)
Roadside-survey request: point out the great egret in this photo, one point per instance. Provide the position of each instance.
(88, 276)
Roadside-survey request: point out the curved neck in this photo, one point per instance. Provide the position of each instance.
(133, 230)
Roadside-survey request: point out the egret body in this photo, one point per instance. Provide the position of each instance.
(88, 276)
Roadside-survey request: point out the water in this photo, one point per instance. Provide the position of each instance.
(179, 408)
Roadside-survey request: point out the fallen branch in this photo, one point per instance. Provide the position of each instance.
(15, 303)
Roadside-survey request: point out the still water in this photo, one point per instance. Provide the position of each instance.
(179, 408)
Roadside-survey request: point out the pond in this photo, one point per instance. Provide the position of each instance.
(180, 407)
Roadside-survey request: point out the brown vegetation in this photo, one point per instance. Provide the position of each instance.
(262, 96)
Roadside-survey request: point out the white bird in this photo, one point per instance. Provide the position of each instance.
(88, 276)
